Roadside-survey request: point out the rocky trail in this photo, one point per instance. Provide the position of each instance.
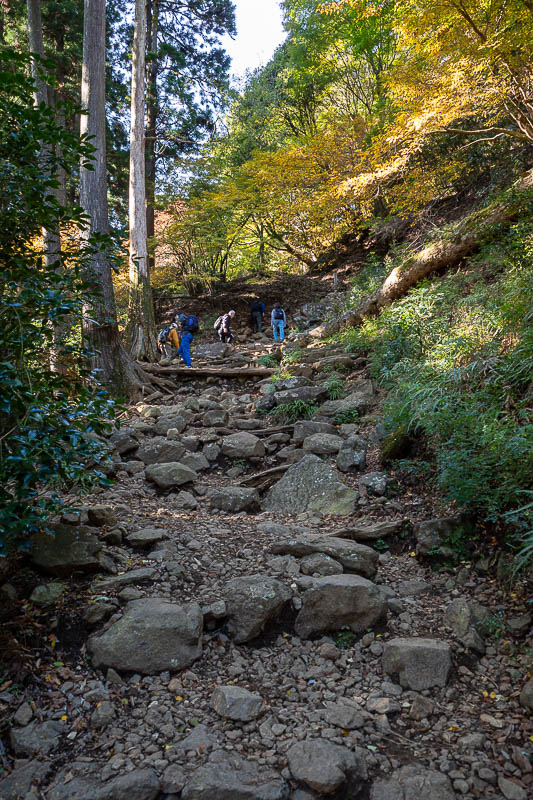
(251, 612)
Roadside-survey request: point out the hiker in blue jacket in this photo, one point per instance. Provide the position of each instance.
(278, 320)
(189, 327)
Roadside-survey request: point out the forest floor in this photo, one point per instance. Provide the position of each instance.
(329, 715)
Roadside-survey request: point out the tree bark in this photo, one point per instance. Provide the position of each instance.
(141, 318)
(442, 254)
(100, 329)
(152, 111)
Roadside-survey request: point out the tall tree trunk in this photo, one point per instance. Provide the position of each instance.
(100, 328)
(141, 318)
(152, 111)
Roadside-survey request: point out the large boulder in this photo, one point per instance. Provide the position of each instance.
(306, 428)
(153, 635)
(24, 775)
(160, 450)
(167, 476)
(310, 485)
(419, 663)
(305, 394)
(360, 399)
(234, 498)
(354, 557)
(374, 531)
(124, 441)
(432, 534)
(210, 351)
(146, 537)
(322, 443)
(139, 784)
(251, 602)
(242, 445)
(413, 781)
(234, 702)
(340, 601)
(67, 549)
(43, 737)
(325, 767)
(227, 776)
(176, 422)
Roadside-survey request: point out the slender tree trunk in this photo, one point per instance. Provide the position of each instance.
(152, 112)
(141, 322)
(100, 328)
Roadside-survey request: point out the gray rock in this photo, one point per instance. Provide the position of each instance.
(118, 582)
(152, 636)
(139, 784)
(421, 707)
(306, 428)
(146, 537)
(217, 416)
(47, 594)
(211, 451)
(294, 382)
(196, 461)
(99, 611)
(66, 550)
(174, 422)
(413, 781)
(521, 623)
(321, 564)
(186, 500)
(420, 663)
(467, 619)
(510, 790)
(8, 593)
(344, 715)
(227, 776)
(37, 737)
(374, 531)
(124, 441)
(413, 588)
(251, 602)
(23, 715)
(310, 485)
(234, 498)
(243, 445)
(340, 601)
(431, 535)
(360, 400)
(103, 715)
(160, 451)
(173, 779)
(19, 782)
(526, 695)
(198, 739)
(208, 351)
(306, 394)
(234, 702)
(354, 557)
(169, 475)
(322, 443)
(375, 482)
(102, 515)
(351, 458)
(325, 767)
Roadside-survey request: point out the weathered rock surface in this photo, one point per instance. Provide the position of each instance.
(321, 564)
(37, 737)
(526, 695)
(174, 422)
(339, 601)
(306, 394)
(310, 485)
(25, 774)
(373, 532)
(359, 399)
(234, 702)
(153, 635)
(70, 548)
(322, 443)
(251, 602)
(227, 776)
(375, 482)
(430, 535)
(160, 451)
(306, 428)
(102, 515)
(234, 498)
(118, 582)
(345, 715)
(420, 663)
(324, 766)
(47, 594)
(169, 475)
(354, 557)
(139, 784)
(412, 782)
(242, 445)
(146, 537)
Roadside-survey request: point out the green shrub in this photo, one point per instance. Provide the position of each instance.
(347, 417)
(267, 361)
(48, 420)
(291, 356)
(335, 388)
(290, 412)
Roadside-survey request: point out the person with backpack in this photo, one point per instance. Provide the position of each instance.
(223, 327)
(257, 314)
(169, 337)
(278, 320)
(189, 326)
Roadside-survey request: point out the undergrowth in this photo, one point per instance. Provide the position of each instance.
(290, 412)
(456, 355)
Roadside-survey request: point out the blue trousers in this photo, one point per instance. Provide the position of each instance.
(278, 327)
(185, 348)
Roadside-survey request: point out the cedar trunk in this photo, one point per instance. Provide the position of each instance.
(152, 112)
(141, 318)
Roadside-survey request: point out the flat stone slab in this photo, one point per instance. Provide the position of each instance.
(419, 663)
(234, 702)
(234, 498)
(37, 738)
(169, 476)
(139, 784)
(339, 601)
(310, 485)
(118, 582)
(68, 549)
(413, 781)
(146, 537)
(227, 776)
(354, 557)
(160, 450)
(152, 636)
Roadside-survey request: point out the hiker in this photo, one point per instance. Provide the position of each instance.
(278, 320)
(169, 337)
(257, 315)
(189, 326)
(223, 327)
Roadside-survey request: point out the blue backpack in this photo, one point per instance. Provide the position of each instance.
(191, 325)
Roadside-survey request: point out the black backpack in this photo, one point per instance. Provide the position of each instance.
(191, 325)
(256, 306)
(278, 313)
(163, 335)
(218, 322)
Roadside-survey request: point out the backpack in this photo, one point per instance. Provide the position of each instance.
(278, 313)
(256, 306)
(191, 325)
(163, 335)
(218, 322)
